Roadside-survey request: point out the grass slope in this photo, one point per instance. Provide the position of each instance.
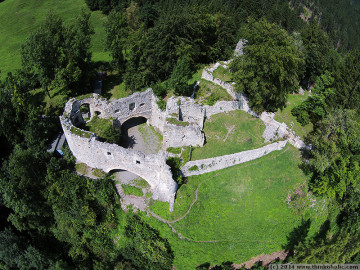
(18, 18)
(228, 133)
(243, 208)
(286, 116)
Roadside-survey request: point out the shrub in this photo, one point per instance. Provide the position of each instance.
(193, 168)
(301, 114)
(174, 163)
(162, 104)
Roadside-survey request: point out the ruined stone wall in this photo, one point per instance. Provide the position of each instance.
(192, 115)
(179, 136)
(207, 75)
(138, 104)
(221, 107)
(87, 149)
(202, 166)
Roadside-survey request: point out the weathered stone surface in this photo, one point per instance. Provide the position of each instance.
(239, 50)
(217, 163)
(275, 130)
(88, 149)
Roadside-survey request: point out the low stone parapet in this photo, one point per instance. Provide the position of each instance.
(202, 166)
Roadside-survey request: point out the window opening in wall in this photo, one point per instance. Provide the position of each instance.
(142, 104)
(85, 111)
(97, 112)
(137, 162)
(108, 153)
(116, 111)
(131, 106)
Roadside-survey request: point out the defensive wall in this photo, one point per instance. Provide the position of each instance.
(202, 166)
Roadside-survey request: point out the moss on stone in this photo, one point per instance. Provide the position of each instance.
(80, 132)
(177, 122)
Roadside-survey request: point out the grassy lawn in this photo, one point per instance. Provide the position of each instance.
(228, 133)
(286, 116)
(223, 74)
(131, 190)
(18, 18)
(208, 93)
(242, 208)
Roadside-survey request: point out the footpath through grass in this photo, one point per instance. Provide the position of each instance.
(18, 18)
(228, 133)
(243, 209)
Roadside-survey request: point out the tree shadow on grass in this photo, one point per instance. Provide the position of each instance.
(324, 229)
(297, 236)
(109, 83)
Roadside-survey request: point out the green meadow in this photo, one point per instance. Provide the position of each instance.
(286, 116)
(228, 133)
(19, 18)
(241, 212)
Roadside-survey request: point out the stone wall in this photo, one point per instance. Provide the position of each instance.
(274, 129)
(202, 166)
(87, 149)
(184, 110)
(221, 107)
(207, 75)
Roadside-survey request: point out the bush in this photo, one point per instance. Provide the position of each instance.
(174, 163)
(162, 104)
(193, 168)
(159, 89)
(301, 114)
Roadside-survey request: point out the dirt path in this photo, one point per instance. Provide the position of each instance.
(264, 258)
(229, 131)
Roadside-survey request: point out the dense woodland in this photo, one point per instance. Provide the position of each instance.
(52, 218)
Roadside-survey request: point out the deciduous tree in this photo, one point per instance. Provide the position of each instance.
(268, 70)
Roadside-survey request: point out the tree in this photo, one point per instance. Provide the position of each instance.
(116, 35)
(145, 247)
(315, 106)
(268, 70)
(317, 51)
(333, 160)
(347, 82)
(21, 189)
(181, 74)
(84, 213)
(340, 249)
(17, 252)
(41, 52)
(58, 56)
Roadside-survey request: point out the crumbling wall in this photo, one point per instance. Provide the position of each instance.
(221, 107)
(87, 149)
(202, 166)
(188, 113)
(207, 75)
(138, 104)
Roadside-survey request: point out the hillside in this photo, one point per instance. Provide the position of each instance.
(19, 18)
